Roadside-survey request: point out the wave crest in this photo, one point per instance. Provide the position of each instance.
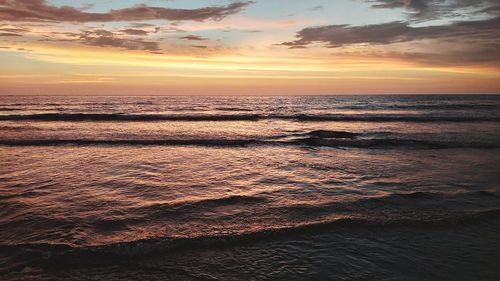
(312, 141)
(74, 117)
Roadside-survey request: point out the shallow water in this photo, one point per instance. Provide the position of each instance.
(250, 188)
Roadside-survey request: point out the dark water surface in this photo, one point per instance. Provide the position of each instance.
(250, 188)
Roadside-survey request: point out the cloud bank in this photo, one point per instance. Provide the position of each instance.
(432, 9)
(394, 32)
(40, 10)
(469, 33)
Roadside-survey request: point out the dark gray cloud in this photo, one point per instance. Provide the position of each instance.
(484, 55)
(468, 41)
(317, 8)
(40, 10)
(340, 35)
(140, 25)
(13, 29)
(7, 34)
(105, 38)
(193, 38)
(134, 31)
(24, 50)
(394, 32)
(431, 9)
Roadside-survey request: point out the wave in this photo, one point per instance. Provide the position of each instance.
(307, 142)
(423, 196)
(142, 142)
(9, 109)
(391, 143)
(233, 109)
(436, 107)
(125, 117)
(435, 210)
(332, 134)
(75, 117)
(47, 255)
(389, 118)
(405, 208)
(20, 128)
(196, 205)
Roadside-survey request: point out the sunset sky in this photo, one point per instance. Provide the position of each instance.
(249, 47)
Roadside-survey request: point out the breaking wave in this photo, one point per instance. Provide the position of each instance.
(46, 255)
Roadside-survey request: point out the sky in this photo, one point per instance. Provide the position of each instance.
(259, 47)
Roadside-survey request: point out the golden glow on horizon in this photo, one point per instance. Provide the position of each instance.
(54, 59)
(155, 72)
(306, 67)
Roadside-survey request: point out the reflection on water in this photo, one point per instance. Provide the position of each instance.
(262, 198)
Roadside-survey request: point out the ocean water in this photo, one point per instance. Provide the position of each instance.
(250, 188)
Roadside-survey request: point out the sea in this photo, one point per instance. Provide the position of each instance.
(250, 188)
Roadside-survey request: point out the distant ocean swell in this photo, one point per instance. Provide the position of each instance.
(307, 141)
(464, 105)
(74, 117)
